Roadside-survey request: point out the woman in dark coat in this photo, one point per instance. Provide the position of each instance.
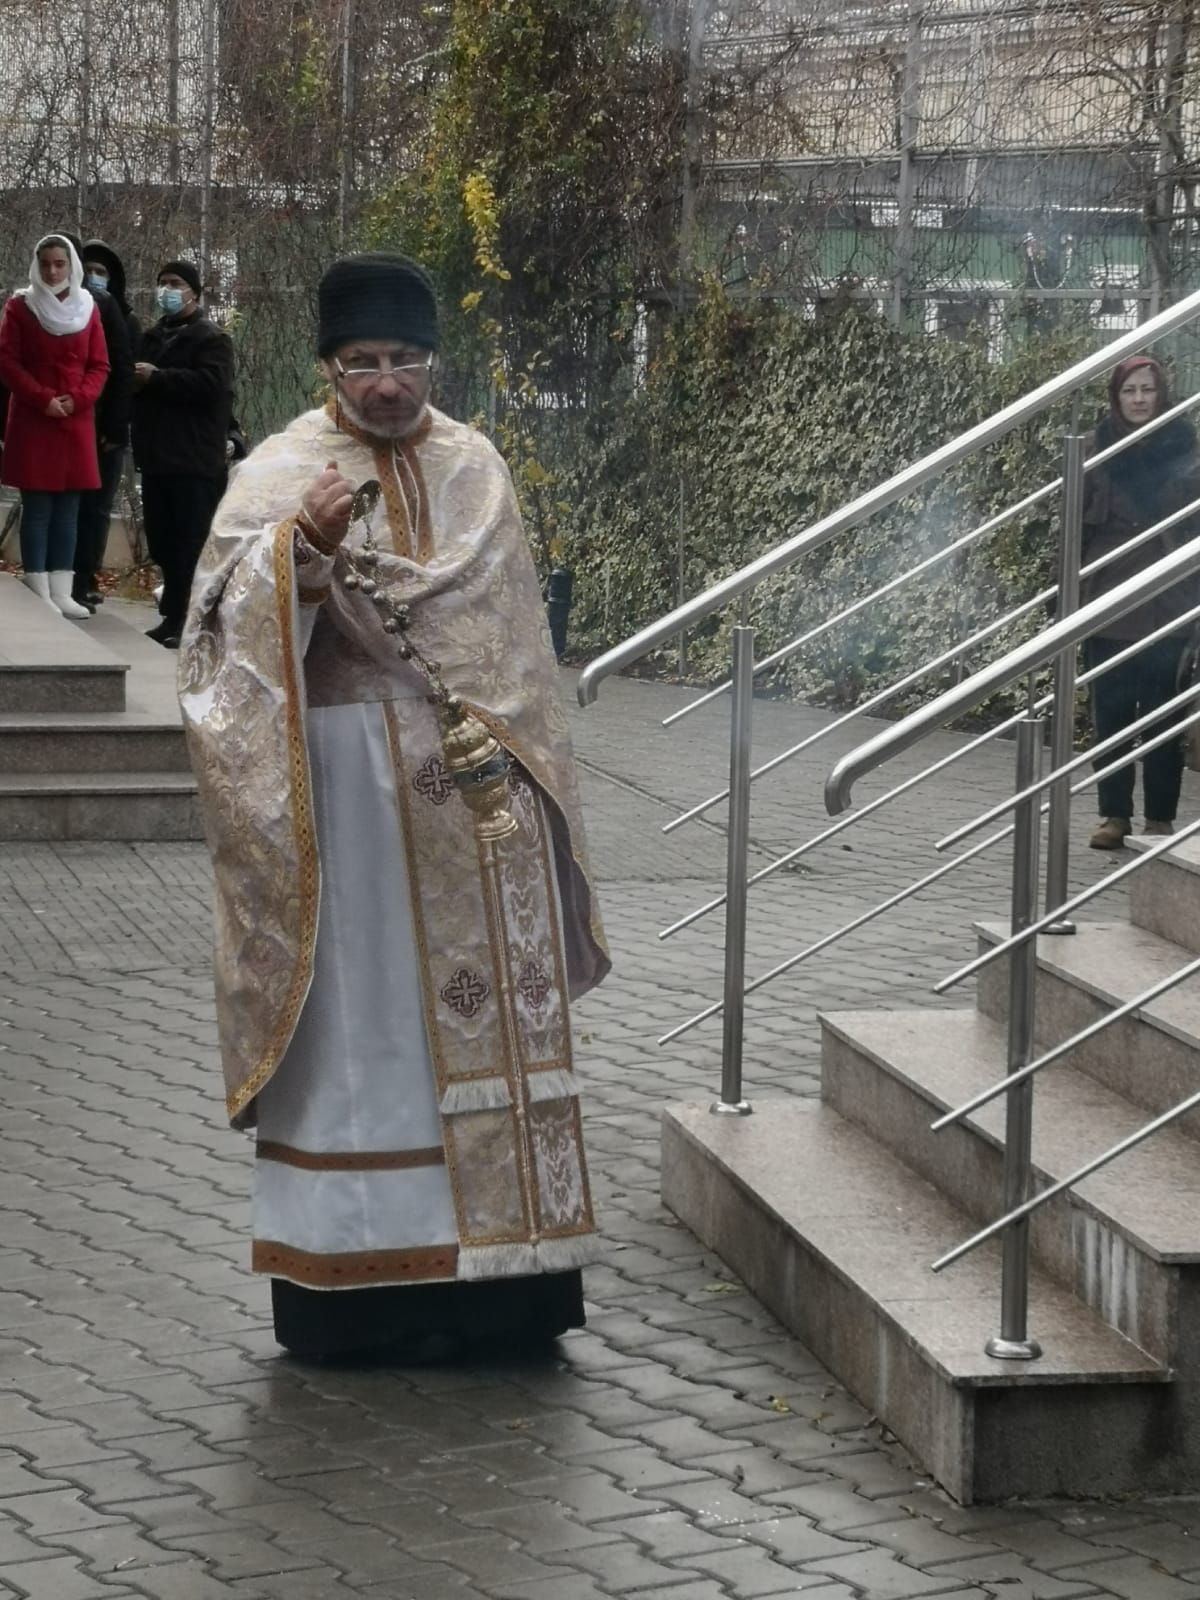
(53, 362)
(1132, 491)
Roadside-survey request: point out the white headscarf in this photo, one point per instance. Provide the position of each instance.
(73, 312)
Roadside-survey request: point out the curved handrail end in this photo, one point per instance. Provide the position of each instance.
(587, 688)
(837, 791)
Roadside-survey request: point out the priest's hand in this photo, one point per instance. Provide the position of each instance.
(326, 507)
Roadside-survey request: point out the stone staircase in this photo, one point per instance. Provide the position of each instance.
(91, 742)
(832, 1210)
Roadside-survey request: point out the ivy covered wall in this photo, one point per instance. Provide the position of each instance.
(753, 423)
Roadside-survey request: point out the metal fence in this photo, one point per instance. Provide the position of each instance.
(971, 167)
(956, 161)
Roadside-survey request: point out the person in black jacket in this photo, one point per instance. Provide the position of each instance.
(182, 407)
(104, 276)
(1130, 492)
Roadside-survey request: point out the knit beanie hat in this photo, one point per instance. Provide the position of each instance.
(186, 271)
(376, 296)
(1126, 369)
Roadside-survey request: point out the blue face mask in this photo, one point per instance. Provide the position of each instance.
(170, 301)
(94, 282)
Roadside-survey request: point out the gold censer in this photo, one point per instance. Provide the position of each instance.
(476, 760)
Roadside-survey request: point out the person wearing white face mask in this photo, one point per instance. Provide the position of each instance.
(53, 362)
(183, 402)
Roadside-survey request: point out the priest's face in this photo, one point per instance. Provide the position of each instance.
(383, 384)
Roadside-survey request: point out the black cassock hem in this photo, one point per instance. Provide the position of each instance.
(421, 1319)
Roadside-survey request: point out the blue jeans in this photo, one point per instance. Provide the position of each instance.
(48, 520)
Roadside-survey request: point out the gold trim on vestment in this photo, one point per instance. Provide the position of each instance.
(423, 525)
(510, 1063)
(521, 1199)
(304, 830)
(399, 513)
(499, 730)
(442, 1074)
(349, 1160)
(589, 1223)
(433, 1263)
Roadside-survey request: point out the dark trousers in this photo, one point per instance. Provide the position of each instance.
(178, 513)
(1119, 697)
(91, 532)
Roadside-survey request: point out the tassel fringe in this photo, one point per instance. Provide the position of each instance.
(476, 1094)
(556, 1083)
(496, 1261)
(564, 1255)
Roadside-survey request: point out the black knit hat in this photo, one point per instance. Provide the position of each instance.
(376, 296)
(186, 271)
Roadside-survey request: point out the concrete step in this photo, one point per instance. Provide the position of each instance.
(1164, 894)
(1152, 1057)
(48, 664)
(835, 1236)
(1117, 1241)
(102, 742)
(99, 805)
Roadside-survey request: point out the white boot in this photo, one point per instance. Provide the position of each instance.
(39, 583)
(60, 596)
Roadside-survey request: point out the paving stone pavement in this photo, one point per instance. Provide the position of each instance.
(155, 1443)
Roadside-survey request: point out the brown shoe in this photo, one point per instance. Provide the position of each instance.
(1159, 829)
(1111, 834)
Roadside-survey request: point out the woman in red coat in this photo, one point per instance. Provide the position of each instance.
(53, 362)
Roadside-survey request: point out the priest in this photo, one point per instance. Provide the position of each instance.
(403, 905)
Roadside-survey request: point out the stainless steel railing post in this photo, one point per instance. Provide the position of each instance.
(1062, 726)
(1013, 1342)
(736, 856)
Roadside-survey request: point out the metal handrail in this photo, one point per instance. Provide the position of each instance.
(1025, 658)
(786, 651)
(840, 933)
(849, 821)
(919, 884)
(882, 696)
(1128, 1009)
(912, 889)
(1147, 720)
(883, 495)
(853, 817)
(1168, 842)
(940, 765)
(1080, 1173)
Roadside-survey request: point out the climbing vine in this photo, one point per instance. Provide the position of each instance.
(754, 423)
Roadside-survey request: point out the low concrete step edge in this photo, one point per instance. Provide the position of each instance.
(1164, 893)
(1082, 977)
(1116, 1241)
(100, 806)
(834, 1236)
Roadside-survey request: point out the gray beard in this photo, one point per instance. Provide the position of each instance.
(394, 430)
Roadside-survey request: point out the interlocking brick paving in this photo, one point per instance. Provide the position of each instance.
(154, 1442)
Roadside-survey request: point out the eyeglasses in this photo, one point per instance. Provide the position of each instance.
(376, 367)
